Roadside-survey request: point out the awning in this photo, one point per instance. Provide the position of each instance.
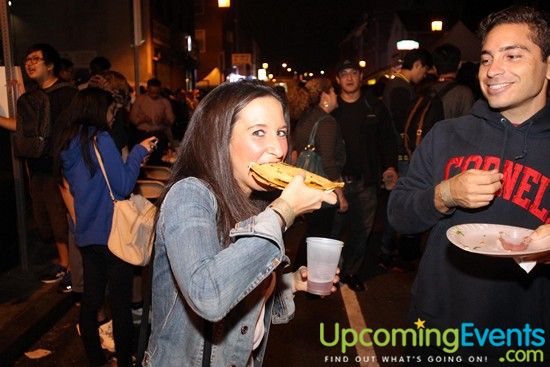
(213, 79)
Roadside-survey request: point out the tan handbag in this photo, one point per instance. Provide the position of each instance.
(132, 232)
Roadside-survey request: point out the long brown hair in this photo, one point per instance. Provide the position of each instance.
(204, 150)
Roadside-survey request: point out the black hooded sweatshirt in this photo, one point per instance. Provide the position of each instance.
(454, 286)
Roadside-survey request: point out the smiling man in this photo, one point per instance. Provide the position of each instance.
(487, 167)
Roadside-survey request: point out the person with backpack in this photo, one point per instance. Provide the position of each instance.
(443, 99)
(83, 149)
(37, 114)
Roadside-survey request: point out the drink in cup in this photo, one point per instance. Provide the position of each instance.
(323, 255)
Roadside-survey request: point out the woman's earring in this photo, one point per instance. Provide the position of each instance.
(325, 104)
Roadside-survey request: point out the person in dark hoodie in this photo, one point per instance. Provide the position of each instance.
(87, 123)
(491, 166)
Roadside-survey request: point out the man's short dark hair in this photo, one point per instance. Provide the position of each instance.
(446, 58)
(153, 82)
(65, 64)
(535, 20)
(99, 64)
(418, 54)
(49, 53)
(347, 64)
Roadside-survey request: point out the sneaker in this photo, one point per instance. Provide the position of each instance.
(65, 285)
(106, 336)
(54, 275)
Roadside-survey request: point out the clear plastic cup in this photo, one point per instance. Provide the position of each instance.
(323, 255)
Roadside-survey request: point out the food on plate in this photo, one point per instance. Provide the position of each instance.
(278, 175)
(512, 242)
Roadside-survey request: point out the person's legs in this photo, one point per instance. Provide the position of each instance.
(75, 264)
(120, 275)
(95, 281)
(57, 216)
(362, 209)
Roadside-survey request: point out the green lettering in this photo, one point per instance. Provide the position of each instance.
(403, 333)
(345, 342)
(365, 341)
(451, 344)
(322, 335)
(376, 337)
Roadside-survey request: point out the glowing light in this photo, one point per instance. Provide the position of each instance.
(310, 74)
(284, 65)
(224, 3)
(289, 69)
(262, 75)
(437, 25)
(322, 72)
(270, 76)
(362, 63)
(371, 82)
(265, 65)
(407, 45)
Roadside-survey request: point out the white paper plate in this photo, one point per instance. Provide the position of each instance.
(482, 238)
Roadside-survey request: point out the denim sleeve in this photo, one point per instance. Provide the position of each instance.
(283, 303)
(214, 278)
(122, 176)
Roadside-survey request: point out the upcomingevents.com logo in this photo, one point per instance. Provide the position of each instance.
(522, 344)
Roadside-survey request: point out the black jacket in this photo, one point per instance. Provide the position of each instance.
(371, 142)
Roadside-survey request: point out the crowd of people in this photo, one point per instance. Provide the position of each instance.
(418, 143)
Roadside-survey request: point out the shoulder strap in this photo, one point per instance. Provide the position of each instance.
(100, 161)
(311, 140)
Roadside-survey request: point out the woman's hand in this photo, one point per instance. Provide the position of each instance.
(150, 144)
(299, 280)
(304, 199)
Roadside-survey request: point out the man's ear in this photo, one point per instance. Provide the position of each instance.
(417, 64)
(50, 67)
(548, 67)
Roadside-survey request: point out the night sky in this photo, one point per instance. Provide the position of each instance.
(306, 33)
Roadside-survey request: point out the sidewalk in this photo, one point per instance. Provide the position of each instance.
(28, 307)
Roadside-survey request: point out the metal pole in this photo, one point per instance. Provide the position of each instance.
(16, 162)
(137, 39)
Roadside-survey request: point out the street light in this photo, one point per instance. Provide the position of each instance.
(407, 45)
(224, 3)
(284, 65)
(437, 25)
(322, 72)
(289, 69)
(265, 65)
(362, 63)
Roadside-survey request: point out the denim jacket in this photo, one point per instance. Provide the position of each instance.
(196, 278)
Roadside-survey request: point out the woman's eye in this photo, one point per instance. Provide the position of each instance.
(282, 133)
(258, 133)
